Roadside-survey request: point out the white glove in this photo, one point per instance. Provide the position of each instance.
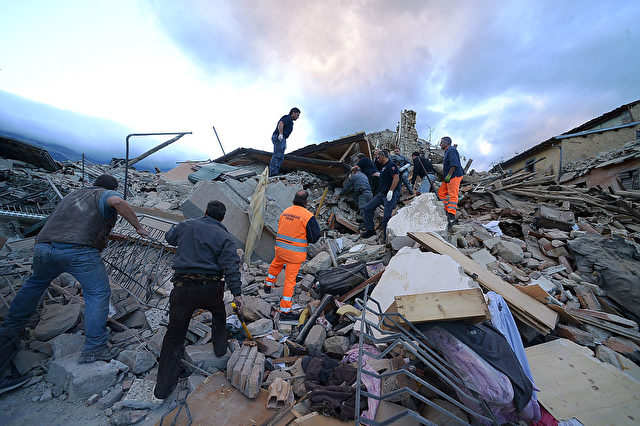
(389, 195)
(405, 167)
(280, 138)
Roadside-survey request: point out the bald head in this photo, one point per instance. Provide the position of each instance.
(300, 199)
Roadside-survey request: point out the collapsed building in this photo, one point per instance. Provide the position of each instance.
(524, 311)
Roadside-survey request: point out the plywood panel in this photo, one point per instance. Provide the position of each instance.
(443, 306)
(573, 383)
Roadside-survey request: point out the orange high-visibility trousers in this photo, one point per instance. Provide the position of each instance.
(448, 193)
(290, 275)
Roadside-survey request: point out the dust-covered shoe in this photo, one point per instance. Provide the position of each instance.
(267, 289)
(104, 354)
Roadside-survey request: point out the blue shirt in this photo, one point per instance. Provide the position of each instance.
(288, 126)
(452, 159)
(386, 176)
(107, 211)
(358, 183)
(367, 166)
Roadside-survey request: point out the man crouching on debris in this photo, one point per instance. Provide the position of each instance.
(388, 195)
(206, 253)
(359, 185)
(449, 189)
(71, 241)
(297, 227)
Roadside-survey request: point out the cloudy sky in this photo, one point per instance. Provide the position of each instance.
(496, 76)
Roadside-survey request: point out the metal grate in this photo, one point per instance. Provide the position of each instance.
(141, 266)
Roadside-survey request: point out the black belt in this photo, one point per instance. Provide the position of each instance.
(195, 280)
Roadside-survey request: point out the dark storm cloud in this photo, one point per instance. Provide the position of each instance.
(506, 74)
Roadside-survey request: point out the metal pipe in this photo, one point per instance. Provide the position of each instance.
(214, 131)
(126, 161)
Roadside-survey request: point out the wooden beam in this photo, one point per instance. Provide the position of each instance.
(348, 295)
(347, 152)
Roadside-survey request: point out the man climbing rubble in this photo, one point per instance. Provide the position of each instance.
(71, 241)
(423, 169)
(297, 227)
(388, 195)
(359, 185)
(403, 164)
(450, 187)
(206, 254)
(279, 140)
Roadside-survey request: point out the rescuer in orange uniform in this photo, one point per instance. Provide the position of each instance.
(297, 228)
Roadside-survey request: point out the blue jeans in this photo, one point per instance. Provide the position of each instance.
(278, 154)
(404, 180)
(49, 261)
(425, 186)
(378, 199)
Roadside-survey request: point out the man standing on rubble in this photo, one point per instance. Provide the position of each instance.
(206, 254)
(359, 185)
(448, 191)
(423, 169)
(279, 140)
(297, 227)
(388, 195)
(370, 170)
(403, 164)
(71, 241)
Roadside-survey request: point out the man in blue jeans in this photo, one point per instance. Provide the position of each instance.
(71, 241)
(388, 195)
(279, 139)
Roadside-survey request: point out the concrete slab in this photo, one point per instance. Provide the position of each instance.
(412, 271)
(56, 320)
(81, 381)
(425, 213)
(140, 395)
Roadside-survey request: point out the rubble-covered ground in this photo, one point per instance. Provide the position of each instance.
(569, 247)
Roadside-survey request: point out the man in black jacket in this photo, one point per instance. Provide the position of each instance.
(423, 169)
(206, 253)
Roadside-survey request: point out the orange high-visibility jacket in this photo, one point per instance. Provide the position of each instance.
(291, 240)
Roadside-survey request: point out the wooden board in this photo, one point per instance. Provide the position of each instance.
(523, 306)
(217, 402)
(444, 306)
(573, 383)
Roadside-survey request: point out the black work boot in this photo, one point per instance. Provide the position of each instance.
(267, 289)
(451, 218)
(104, 354)
(368, 234)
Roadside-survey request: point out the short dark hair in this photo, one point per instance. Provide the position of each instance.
(300, 199)
(106, 182)
(415, 154)
(384, 152)
(447, 139)
(216, 210)
(294, 109)
(360, 155)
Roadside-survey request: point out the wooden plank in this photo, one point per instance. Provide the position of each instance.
(347, 224)
(573, 383)
(347, 152)
(517, 300)
(622, 331)
(443, 306)
(616, 319)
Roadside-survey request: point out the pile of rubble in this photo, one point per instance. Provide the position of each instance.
(551, 251)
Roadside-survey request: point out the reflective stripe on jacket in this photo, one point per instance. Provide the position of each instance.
(291, 240)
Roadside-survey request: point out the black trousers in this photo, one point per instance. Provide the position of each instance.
(183, 302)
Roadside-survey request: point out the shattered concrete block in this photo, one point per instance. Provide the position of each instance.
(424, 214)
(262, 326)
(483, 257)
(255, 378)
(363, 253)
(203, 356)
(316, 337)
(608, 355)
(194, 381)
(138, 361)
(255, 308)
(574, 334)
(238, 366)
(56, 320)
(271, 348)
(277, 374)
(587, 298)
(25, 361)
(128, 417)
(509, 251)
(110, 398)
(81, 381)
(156, 318)
(67, 344)
(336, 345)
(155, 342)
(136, 320)
(140, 395)
(321, 261)
(625, 347)
(247, 368)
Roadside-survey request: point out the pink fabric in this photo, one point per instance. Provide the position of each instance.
(371, 383)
